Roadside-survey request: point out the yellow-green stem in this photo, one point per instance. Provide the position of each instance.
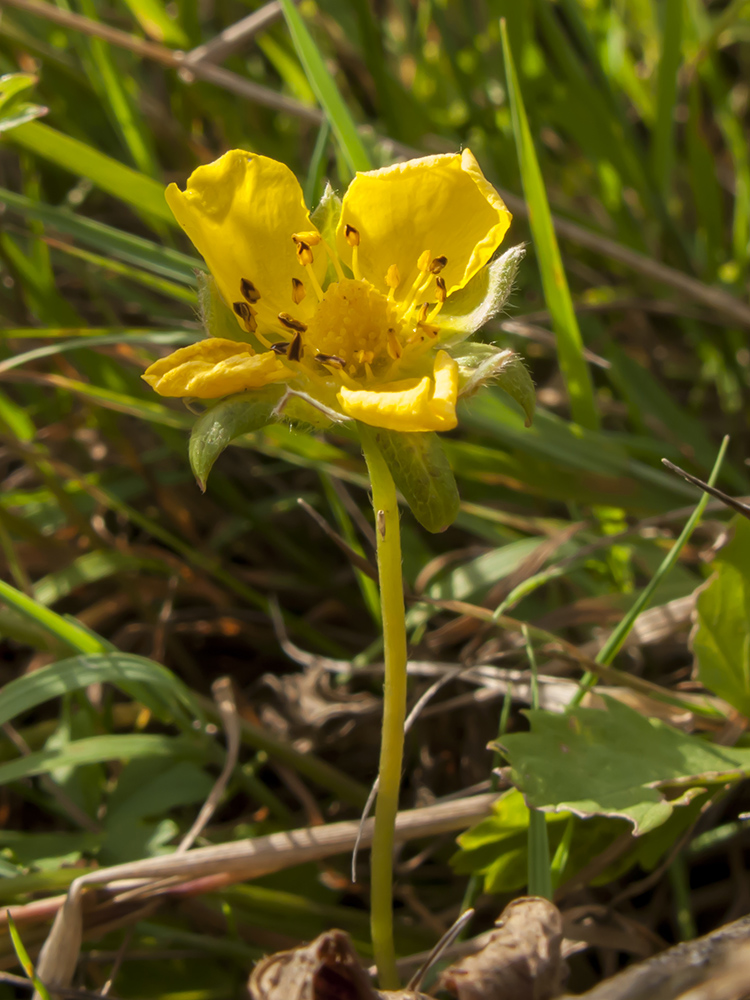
(387, 528)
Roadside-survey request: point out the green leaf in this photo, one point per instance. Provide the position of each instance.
(64, 629)
(468, 309)
(229, 419)
(422, 475)
(721, 639)
(327, 213)
(143, 193)
(20, 115)
(556, 292)
(14, 83)
(23, 958)
(614, 763)
(326, 90)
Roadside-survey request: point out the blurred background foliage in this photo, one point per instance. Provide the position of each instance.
(638, 112)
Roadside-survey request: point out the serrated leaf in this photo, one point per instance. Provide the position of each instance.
(505, 369)
(721, 638)
(614, 763)
(422, 475)
(232, 417)
(483, 297)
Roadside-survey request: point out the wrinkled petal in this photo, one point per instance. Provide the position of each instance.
(442, 204)
(240, 212)
(426, 404)
(214, 368)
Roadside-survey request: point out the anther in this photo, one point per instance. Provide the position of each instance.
(249, 291)
(298, 291)
(295, 348)
(352, 235)
(280, 348)
(246, 314)
(392, 277)
(330, 359)
(291, 323)
(304, 253)
(441, 294)
(437, 265)
(312, 238)
(423, 310)
(424, 261)
(428, 329)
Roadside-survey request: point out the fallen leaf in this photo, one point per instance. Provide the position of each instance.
(521, 960)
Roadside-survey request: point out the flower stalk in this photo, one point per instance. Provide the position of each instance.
(388, 532)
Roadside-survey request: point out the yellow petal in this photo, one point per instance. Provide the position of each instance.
(439, 204)
(427, 404)
(213, 368)
(241, 212)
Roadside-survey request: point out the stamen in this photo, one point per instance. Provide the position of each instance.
(437, 265)
(422, 314)
(394, 348)
(441, 293)
(304, 253)
(247, 315)
(334, 260)
(295, 348)
(352, 238)
(429, 330)
(298, 291)
(393, 280)
(249, 291)
(424, 261)
(281, 348)
(314, 282)
(330, 359)
(291, 323)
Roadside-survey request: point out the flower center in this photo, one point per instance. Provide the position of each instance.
(358, 326)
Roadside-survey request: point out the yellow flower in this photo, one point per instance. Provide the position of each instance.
(358, 321)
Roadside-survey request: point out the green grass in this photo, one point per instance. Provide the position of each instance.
(125, 592)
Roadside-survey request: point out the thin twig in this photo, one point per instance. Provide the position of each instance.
(232, 82)
(224, 698)
(236, 35)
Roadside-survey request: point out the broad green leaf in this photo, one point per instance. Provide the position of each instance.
(468, 309)
(327, 213)
(556, 292)
(422, 475)
(142, 193)
(721, 639)
(484, 571)
(229, 419)
(326, 90)
(615, 763)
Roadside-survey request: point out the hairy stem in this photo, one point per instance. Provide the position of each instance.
(394, 708)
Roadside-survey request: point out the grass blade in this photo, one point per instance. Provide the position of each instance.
(612, 646)
(23, 958)
(326, 91)
(662, 150)
(556, 292)
(142, 193)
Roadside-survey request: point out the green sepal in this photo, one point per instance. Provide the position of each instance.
(229, 419)
(479, 364)
(325, 218)
(468, 309)
(422, 475)
(217, 318)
